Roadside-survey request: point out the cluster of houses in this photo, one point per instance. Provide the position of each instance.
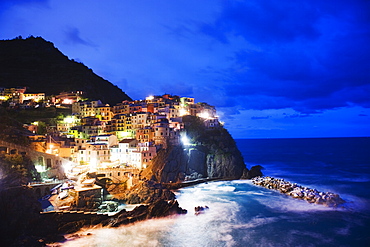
(117, 142)
(18, 97)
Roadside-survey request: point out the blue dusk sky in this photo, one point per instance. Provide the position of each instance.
(273, 69)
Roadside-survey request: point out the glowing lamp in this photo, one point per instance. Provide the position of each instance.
(185, 140)
(182, 112)
(67, 101)
(204, 115)
(69, 120)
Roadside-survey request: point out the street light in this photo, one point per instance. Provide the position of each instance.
(185, 140)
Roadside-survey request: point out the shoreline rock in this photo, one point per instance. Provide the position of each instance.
(157, 209)
(294, 190)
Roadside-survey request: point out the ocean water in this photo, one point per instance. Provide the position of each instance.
(242, 214)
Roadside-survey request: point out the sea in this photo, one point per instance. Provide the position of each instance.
(243, 214)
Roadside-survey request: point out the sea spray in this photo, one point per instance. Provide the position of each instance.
(247, 215)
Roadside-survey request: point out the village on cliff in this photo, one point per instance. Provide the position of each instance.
(114, 143)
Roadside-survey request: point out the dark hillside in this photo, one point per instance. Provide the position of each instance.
(38, 65)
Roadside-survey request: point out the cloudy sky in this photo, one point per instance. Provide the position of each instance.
(272, 68)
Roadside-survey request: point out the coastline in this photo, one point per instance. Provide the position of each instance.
(342, 225)
(158, 209)
(176, 186)
(163, 208)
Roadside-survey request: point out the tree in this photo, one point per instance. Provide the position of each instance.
(41, 129)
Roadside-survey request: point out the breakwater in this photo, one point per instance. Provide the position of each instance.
(300, 192)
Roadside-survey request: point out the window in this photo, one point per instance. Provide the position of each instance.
(48, 163)
(41, 160)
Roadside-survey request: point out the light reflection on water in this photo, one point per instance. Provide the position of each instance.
(240, 214)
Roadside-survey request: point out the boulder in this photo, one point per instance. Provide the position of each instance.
(255, 171)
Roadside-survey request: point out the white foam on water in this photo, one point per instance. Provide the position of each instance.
(211, 228)
(221, 224)
(215, 186)
(143, 233)
(254, 193)
(255, 222)
(283, 203)
(343, 230)
(355, 203)
(242, 181)
(317, 238)
(227, 188)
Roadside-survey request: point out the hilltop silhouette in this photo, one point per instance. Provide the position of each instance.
(36, 64)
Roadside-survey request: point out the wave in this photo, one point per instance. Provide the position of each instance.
(282, 203)
(250, 193)
(144, 233)
(241, 181)
(239, 214)
(255, 222)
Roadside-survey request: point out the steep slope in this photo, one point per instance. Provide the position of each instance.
(38, 65)
(212, 153)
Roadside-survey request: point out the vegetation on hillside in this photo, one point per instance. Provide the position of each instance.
(38, 65)
(210, 138)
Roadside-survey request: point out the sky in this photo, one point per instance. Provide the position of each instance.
(272, 69)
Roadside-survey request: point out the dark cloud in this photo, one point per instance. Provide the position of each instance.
(296, 115)
(20, 2)
(299, 57)
(73, 37)
(210, 30)
(265, 21)
(310, 56)
(5, 4)
(177, 89)
(259, 118)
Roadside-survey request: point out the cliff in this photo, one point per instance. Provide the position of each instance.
(22, 225)
(19, 209)
(36, 64)
(212, 153)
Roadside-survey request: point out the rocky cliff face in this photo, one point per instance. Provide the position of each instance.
(145, 192)
(19, 210)
(212, 153)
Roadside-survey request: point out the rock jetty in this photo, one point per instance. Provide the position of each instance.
(297, 191)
